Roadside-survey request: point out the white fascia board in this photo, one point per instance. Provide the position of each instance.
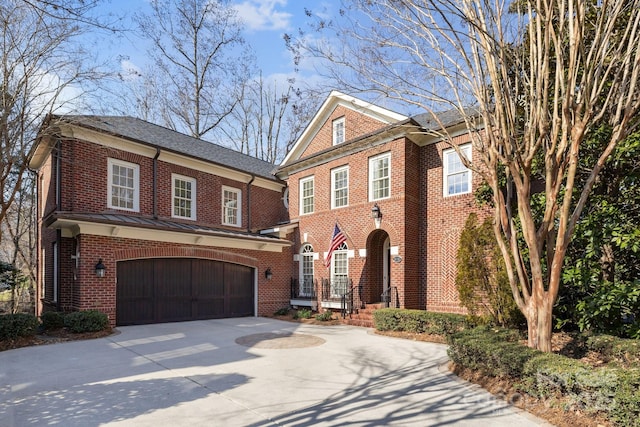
(117, 143)
(334, 99)
(72, 228)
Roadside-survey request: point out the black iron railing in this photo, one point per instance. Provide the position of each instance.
(306, 291)
(389, 297)
(351, 299)
(332, 290)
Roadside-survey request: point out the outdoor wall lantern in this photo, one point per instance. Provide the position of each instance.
(100, 268)
(267, 273)
(376, 215)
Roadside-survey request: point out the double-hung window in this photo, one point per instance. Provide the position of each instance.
(306, 195)
(231, 206)
(380, 176)
(338, 131)
(457, 177)
(306, 271)
(184, 197)
(340, 271)
(124, 185)
(340, 187)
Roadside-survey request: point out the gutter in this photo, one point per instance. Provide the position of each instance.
(155, 183)
(253, 177)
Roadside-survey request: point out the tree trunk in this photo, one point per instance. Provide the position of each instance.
(539, 324)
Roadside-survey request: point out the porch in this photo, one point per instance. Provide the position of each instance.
(341, 296)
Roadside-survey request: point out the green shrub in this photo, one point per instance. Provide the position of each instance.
(303, 313)
(621, 349)
(86, 321)
(419, 321)
(282, 311)
(52, 320)
(481, 279)
(324, 317)
(498, 352)
(17, 325)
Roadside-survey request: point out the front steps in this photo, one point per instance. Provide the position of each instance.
(362, 317)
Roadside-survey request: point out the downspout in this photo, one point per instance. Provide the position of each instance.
(253, 177)
(155, 183)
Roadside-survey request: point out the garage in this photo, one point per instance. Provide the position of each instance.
(179, 289)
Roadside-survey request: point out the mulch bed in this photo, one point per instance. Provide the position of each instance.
(52, 337)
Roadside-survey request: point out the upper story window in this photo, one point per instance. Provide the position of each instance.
(338, 131)
(340, 187)
(306, 196)
(457, 178)
(380, 176)
(124, 185)
(231, 206)
(184, 197)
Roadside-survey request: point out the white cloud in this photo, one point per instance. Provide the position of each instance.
(129, 70)
(263, 14)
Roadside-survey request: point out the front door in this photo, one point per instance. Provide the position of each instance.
(379, 266)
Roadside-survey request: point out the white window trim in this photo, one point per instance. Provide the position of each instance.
(334, 127)
(334, 172)
(301, 190)
(466, 148)
(239, 213)
(136, 184)
(175, 177)
(304, 255)
(344, 251)
(371, 162)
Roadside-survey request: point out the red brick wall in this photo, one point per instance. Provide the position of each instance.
(85, 186)
(84, 189)
(356, 124)
(91, 292)
(355, 220)
(445, 219)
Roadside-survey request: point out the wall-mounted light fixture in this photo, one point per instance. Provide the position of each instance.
(376, 215)
(100, 268)
(268, 274)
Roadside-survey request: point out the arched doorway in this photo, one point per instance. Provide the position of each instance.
(378, 266)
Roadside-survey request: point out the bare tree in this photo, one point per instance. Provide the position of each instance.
(539, 79)
(44, 69)
(199, 59)
(262, 125)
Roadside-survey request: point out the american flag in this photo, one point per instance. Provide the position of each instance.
(337, 239)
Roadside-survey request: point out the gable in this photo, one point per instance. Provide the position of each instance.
(360, 117)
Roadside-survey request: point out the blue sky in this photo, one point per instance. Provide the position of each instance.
(265, 23)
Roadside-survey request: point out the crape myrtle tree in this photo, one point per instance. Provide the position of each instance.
(530, 79)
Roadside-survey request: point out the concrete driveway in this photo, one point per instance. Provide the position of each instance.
(242, 372)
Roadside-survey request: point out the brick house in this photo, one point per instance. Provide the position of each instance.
(164, 213)
(355, 161)
(186, 229)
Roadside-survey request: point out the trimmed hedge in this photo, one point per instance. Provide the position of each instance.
(52, 320)
(86, 321)
(420, 321)
(496, 352)
(626, 350)
(17, 325)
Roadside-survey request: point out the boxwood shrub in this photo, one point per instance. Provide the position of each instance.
(612, 391)
(419, 321)
(52, 320)
(86, 321)
(17, 325)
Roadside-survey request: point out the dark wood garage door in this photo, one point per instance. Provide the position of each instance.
(174, 290)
